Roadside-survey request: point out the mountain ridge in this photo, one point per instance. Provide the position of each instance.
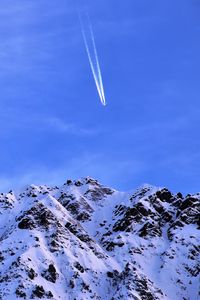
(84, 240)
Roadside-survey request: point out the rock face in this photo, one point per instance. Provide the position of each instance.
(86, 241)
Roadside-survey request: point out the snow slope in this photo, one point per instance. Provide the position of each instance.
(86, 241)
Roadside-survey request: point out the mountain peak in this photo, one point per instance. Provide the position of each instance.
(84, 240)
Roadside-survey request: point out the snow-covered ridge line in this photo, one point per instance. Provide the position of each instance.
(83, 240)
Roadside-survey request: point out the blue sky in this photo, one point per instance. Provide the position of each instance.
(53, 126)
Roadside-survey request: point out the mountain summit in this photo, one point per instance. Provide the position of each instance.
(84, 241)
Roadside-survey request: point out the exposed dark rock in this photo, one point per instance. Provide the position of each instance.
(84, 216)
(49, 295)
(98, 193)
(38, 215)
(139, 194)
(150, 230)
(131, 214)
(187, 203)
(166, 216)
(50, 274)
(26, 223)
(177, 203)
(1, 257)
(110, 274)
(79, 233)
(142, 209)
(158, 206)
(78, 266)
(120, 209)
(69, 182)
(110, 246)
(32, 274)
(38, 292)
(71, 283)
(78, 183)
(20, 292)
(179, 195)
(73, 208)
(164, 195)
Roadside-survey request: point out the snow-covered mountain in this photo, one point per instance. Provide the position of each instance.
(86, 241)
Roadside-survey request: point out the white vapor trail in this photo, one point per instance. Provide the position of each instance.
(97, 64)
(95, 67)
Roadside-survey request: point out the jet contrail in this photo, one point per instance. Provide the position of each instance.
(96, 79)
(97, 63)
(93, 63)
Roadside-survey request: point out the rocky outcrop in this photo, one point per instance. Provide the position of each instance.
(87, 241)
